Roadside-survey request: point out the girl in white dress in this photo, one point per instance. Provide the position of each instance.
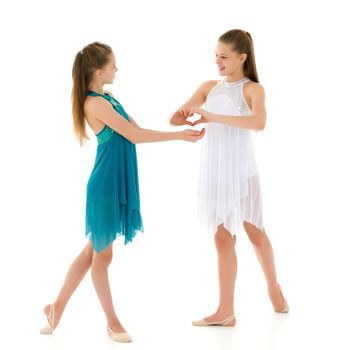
(229, 190)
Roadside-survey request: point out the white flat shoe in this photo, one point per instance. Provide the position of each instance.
(122, 337)
(285, 308)
(220, 323)
(48, 329)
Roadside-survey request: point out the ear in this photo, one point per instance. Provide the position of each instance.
(98, 73)
(243, 57)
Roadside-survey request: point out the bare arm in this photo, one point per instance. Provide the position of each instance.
(256, 121)
(132, 120)
(198, 98)
(102, 110)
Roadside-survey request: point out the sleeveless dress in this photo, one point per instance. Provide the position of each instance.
(112, 193)
(228, 188)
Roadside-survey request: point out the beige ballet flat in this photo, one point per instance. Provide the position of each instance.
(221, 323)
(122, 337)
(285, 308)
(48, 329)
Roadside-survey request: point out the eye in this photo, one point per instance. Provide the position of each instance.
(223, 57)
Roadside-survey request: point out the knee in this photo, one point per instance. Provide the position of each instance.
(103, 258)
(257, 237)
(224, 240)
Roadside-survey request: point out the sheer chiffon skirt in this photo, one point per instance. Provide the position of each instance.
(229, 186)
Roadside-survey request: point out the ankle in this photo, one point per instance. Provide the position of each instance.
(113, 322)
(225, 311)
(59, 305)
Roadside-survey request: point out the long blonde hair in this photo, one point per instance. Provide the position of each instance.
(242, 42)
(92, 57)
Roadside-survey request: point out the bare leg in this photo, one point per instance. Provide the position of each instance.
(264, 252)
(74, 276)
(227, 269)
(99, 273)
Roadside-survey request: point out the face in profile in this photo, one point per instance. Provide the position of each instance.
(227, 60)
(109, 70)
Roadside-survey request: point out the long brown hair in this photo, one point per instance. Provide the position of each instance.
(242, 42)
(92, 57)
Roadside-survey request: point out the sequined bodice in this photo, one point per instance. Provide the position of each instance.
(106, 133)
(228, 97)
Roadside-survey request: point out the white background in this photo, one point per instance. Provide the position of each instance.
(168, 275)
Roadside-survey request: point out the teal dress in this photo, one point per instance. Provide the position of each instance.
(112, 193)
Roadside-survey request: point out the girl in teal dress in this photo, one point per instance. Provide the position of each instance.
(113, 201)
(112, 193)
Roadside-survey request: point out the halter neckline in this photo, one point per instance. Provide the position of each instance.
(94, 92)
(231, 83)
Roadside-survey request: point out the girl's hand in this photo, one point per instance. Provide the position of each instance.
(205, 115)
(192, 135)
(180, 117)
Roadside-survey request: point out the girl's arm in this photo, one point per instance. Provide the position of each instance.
(198, 98)
(256, 121)
(133, 122)
(137, 126)
(102, 110)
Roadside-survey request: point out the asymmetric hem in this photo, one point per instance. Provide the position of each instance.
(112, 192)
(229, 186)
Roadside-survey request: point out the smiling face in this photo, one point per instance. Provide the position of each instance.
(107, 73)
(229, 62)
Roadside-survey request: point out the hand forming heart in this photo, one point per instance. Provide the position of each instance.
(205, 115)
(180, 116)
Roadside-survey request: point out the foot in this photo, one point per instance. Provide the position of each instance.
(58, 313)
(118, 333)
(219, 316)
(277, 298)
(116, 326)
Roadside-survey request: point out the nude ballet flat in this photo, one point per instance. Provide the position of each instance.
(285, 308)
(122, 337)
(221, 323)
(48, 329)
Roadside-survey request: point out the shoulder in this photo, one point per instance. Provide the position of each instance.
(94, 103)
(251, 87)
(208, 85)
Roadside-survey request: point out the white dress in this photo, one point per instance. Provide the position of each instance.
(228, 187)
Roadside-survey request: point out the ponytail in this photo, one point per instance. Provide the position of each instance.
(94, 56)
